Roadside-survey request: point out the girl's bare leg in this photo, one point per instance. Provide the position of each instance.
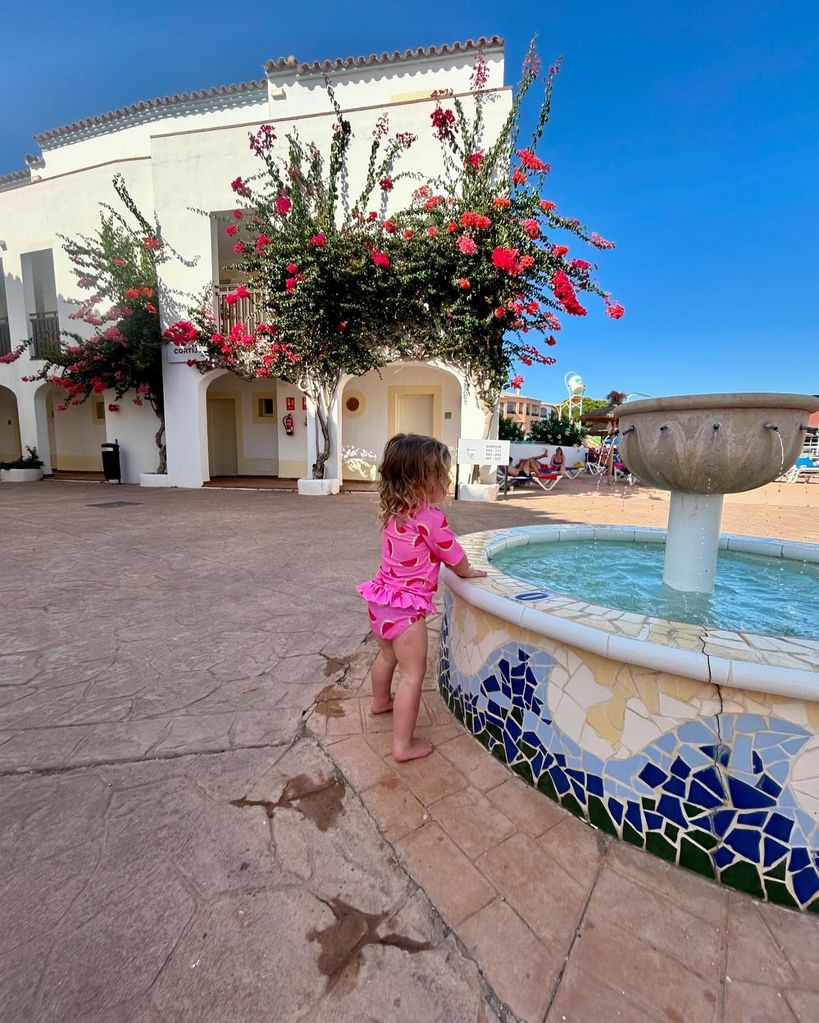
(381, 675)
(411, 651)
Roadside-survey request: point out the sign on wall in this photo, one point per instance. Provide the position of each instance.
(184, 353)
(483, 452)
(291, 403)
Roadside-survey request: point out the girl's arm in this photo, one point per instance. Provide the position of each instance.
(466, 571)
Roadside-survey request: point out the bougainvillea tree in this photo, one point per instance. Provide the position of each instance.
(317, 264)
(489, 264)
(117, 266)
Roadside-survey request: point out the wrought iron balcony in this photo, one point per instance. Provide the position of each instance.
(45, 334)
(5, 337)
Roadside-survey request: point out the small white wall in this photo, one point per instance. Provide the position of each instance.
(573, 455)
(75, 435)
(134, 427)
(292, 450)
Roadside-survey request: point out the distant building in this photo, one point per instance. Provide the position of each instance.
(523, 410)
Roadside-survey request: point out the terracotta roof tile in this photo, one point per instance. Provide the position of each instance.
(150, 104)
(341, 63)
(15, 178)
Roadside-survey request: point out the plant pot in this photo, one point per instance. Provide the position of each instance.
(478, 492)
(319, 488)
(154, 479)
(20, 475)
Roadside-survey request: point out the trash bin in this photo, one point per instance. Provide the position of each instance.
(110, 462)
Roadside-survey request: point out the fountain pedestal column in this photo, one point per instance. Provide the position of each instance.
(692, 542)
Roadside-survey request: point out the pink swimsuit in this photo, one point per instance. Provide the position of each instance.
(401, 592)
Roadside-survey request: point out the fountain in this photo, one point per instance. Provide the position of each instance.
(685, 721)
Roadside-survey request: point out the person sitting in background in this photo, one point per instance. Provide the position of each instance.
(532, 465)
(558, 462)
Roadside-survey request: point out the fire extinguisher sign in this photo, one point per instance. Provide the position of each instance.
(291, 404)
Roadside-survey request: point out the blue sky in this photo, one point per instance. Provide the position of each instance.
(685, 132)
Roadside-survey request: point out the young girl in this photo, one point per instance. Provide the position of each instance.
(416, 539)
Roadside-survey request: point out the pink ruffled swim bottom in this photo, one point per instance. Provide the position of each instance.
(388, 623)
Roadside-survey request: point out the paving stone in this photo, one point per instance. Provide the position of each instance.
(797, 935)
(578, 848)
(455, 887)
(512, 959)
(753, 1003)
(394, 807)
(530, 810)
(582, 998)
(804, 1005)
(471, 821)
(431, 777)
(474, 762)
(753, 953)
(360, 763)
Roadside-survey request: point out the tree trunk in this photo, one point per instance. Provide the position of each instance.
(323, 401)
(159, 439)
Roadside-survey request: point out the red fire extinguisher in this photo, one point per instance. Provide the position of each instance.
(289, 425)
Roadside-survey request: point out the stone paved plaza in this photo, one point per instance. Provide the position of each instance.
(199, 821)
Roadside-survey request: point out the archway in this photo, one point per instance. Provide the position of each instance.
(254, 428)
(404, 397)
(70, 436)
(10, 444)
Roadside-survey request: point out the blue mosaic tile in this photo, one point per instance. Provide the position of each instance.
(746, 797)
(772, 851)
(723, 856)
(652, 775)
(744, 841)
(806, 884)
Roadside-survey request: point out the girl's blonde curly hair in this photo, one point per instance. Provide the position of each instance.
(410, 470)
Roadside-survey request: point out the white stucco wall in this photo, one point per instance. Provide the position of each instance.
(9, 429)
(75, 435)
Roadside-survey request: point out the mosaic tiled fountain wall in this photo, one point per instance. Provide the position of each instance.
(724, 781)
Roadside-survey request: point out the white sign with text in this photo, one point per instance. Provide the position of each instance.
(483, 452)
(185, 353)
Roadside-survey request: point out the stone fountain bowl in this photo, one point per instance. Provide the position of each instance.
(713, 443)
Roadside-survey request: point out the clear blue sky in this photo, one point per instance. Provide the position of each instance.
(686, 132)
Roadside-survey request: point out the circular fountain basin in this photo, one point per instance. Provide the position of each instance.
(696, 743)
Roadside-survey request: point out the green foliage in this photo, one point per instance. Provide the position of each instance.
(557, 429)
(508, 429)
(30, 461)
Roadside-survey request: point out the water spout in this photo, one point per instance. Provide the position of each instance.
(664, 428)
(629, 429)
(716, 426)
(770, 426)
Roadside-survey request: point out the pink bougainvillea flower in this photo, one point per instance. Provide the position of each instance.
(341, 326)
(151, 308)
(506, 259)
(119, 262)
(238, 248)
(242, 292)
(132, 293)
(230, 298)
(318, 241)
(470, 219)
(380, 258)
(452, 227)
(614, 310)
(530, 161)
(290, 284)
(261, 241)
(113, 407)
(564, 293)
(551, 340)
(501, 202)
(389, 227)
(581, 264)
(386, 184)
(292, 268)
(526, 262)
(474, 161)
(531, 227)
(463, 282)
(152, 243)
(239, 187)
(432, 232)
(546, 205)
(443, 121)
(519, 178)
(560, 250)
(467, 246)
(516, 382)
(408, 233)
(432, 202)
(372, 215)
(600, 243)
(237, 214)
(230, 230)
(282, 205)
(500, 312)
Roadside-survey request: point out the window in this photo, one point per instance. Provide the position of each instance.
(267, 408)
(99, 411)
(511, 408)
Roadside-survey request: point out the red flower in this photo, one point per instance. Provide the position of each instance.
(501, 202)
(283, 205)
(467, 246)
(474, 161)
(464, 283)
(132, 293)
(372, 215)
(452, 227)
(600, 243)
(230, 299)
(519, 178)
(581, 264)
(408, 233)
(113, 407)
(386, 184)
(150, 308)
(341, 326)
(318, 241)
(532, 307)
(242, 292)
(239, 187)
(546, 205)
(560, 250)
(152, 243)
(292, 268)
(119, 262)
(389, 227)
(443, 121)
(290, 284)
(551, 340)
(470, 219)
(432, 231)
(238, 248)
(237, 214)
(530, 227)
(614, 310)
(500, 312)
(230, 229)
(432, 202)
(516, 382)
(564, 293)
(506, 259)
(530, 161)
(261, 241)
(380, 258)
(526, 262)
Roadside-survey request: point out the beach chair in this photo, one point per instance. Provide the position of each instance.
(803, 470)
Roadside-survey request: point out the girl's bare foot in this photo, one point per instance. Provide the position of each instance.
(417, 748)
(380, 706)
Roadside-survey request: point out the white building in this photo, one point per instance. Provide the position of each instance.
(178, 155)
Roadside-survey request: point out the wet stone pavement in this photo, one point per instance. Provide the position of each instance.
(200, 821)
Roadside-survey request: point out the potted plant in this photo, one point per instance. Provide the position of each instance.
(26, 469)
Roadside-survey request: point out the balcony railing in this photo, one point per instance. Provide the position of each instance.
(45, 334)
(248, 311)
(5, 337)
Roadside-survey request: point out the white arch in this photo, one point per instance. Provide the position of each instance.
(11, 445)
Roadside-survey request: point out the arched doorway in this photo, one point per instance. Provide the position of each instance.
(70, 437)
(404, 397)
(10, 445)
(249, 426)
